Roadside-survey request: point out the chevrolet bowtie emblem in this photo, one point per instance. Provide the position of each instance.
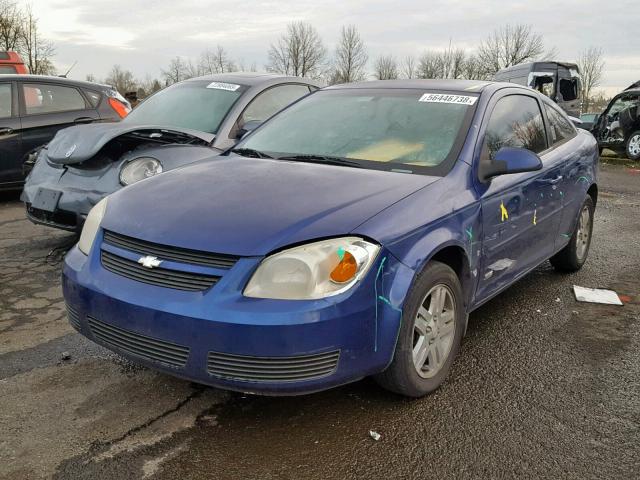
(149, 262)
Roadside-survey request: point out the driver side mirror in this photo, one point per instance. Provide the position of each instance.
(248, 127)
(509, 160)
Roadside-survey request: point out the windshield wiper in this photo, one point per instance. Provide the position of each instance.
(250, 152)
(325, 159)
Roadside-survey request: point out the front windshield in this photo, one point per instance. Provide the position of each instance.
(391, 129)
(195, 105)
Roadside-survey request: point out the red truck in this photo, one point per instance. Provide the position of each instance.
(11, 63)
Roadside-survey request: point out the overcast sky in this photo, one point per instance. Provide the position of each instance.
(143, 36)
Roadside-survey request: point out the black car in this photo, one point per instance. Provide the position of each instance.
(192, 120)
(588, 120)
(34, 107)
(618, 128)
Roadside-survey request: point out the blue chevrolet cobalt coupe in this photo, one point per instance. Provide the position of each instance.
(348, 236)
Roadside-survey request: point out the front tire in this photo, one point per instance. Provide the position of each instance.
(572, 257)
(433, 323)
(633, 146)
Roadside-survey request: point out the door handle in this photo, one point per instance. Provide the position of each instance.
(83, 120)
(551, 181)
(6, 131)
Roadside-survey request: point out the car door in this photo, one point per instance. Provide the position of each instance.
(49, 107)
(575, 169)
(520, 212)
(266, 104)
(10, 136)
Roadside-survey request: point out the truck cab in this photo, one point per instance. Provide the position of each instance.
(557, 80)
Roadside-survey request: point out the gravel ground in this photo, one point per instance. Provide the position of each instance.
(544, 387)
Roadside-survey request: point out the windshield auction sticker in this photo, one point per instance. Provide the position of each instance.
(446, 98)
(231, 87)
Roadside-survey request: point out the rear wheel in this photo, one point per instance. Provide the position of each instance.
(573, 256)
(633, 146)
(432, 328)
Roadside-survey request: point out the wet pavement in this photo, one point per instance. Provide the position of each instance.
(544, 387)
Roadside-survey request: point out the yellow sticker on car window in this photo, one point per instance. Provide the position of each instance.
(231, 87)
(446, 98)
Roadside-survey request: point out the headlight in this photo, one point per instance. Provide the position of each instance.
(312, 271)
(139, 169)
(91, 226)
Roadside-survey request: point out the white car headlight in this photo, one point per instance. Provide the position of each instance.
(91, 226)
(139, 169)
(314, 270)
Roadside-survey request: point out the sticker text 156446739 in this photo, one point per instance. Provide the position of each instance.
(446, 98)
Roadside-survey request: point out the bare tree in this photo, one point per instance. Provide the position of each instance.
(591, 65)
(122, 80)
(472, 69)
(177, 71)
(215, 61)
(386, 67)
(408, 67)
(509, 45)
(11, 20)
(36, 51)
(351, 57)
(90, 77)
(431, 65)
(299, 52)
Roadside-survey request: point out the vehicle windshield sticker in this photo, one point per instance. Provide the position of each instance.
(445, 98)
(231, 87)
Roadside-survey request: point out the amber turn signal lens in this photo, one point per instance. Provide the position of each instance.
(345, 270)
(120, 108)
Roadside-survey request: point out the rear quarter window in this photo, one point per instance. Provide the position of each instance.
(560, 128)
(93, 97)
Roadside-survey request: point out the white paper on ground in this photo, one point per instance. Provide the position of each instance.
(596, 295)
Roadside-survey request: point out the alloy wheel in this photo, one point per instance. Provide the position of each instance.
(434, 331)
(583, 233)
(634, 145)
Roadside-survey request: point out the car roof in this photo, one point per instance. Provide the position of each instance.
(253, 78)
(463, 86)
(51, 78)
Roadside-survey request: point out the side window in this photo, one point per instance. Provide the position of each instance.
(516, 121)
(45, 98)
(4, 69)
(568, 89)
(94, 97)
(560, 128)
(271, 101)
(5, 100)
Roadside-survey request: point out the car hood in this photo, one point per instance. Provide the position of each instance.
(79, 143)
(250, 207)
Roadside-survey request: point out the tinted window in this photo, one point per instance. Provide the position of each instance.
(190, 105)
(384, 129)
(271, 101)
(7, 69)
(560, 128)
(5, 100)
(45, 98)
(516, 121)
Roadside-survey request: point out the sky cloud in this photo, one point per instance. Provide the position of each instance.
(144, 36)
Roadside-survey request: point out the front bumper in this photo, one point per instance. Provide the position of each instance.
(219, 337)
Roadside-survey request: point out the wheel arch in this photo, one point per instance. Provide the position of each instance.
(593, 193)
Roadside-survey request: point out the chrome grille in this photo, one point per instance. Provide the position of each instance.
(139, 345)
(166, 252)
(74, 317)
(271, 369)
(162, 277)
